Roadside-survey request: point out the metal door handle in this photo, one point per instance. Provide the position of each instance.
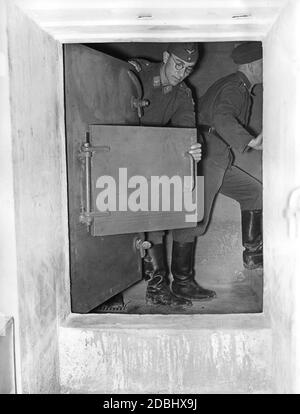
(193, 171)
(86, 152)
(85, 215)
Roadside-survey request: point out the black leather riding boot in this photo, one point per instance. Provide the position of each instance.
(184, 284)
(156, 272)
(252, 238)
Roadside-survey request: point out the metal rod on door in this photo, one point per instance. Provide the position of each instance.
(86, 152)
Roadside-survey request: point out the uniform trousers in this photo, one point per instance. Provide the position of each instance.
(232, 182)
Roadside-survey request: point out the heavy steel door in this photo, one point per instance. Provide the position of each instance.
(97, 90)
(101, 90)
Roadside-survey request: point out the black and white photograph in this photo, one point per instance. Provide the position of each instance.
(150, 194)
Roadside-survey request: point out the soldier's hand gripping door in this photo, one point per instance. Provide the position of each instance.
(111, 163)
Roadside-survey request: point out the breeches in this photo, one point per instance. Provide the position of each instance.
(233, 183)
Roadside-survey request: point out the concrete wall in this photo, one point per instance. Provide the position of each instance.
(38, 163)
(37, 236)
(8, 265)
(281, 177)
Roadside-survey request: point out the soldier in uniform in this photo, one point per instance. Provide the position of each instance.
(223, 115)
(170, 104)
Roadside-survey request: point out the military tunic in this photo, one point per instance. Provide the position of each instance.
(226, 108)
(168, 106)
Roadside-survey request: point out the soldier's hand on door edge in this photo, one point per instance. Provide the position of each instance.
(196, 152)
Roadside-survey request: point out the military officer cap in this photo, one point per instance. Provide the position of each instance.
(185, 51)
(247, 52)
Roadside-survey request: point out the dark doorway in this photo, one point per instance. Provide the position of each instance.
(103, 266)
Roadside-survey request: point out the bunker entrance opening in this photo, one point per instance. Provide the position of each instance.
(108, 131)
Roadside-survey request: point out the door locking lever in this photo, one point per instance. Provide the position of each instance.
(137, 102)
(142, 246)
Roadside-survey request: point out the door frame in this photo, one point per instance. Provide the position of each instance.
(108, 322)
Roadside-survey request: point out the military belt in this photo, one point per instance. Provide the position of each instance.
(209, 130)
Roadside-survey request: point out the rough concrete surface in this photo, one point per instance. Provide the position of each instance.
(160, 354)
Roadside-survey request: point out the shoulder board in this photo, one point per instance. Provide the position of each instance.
(140, 64)
(235, 80)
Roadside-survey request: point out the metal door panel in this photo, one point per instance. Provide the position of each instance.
(97, 90)
(146, 152)
(104, 266)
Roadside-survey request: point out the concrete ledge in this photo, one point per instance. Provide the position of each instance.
(165, 354)
(121, 321)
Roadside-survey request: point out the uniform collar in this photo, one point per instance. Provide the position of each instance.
(159, 80)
